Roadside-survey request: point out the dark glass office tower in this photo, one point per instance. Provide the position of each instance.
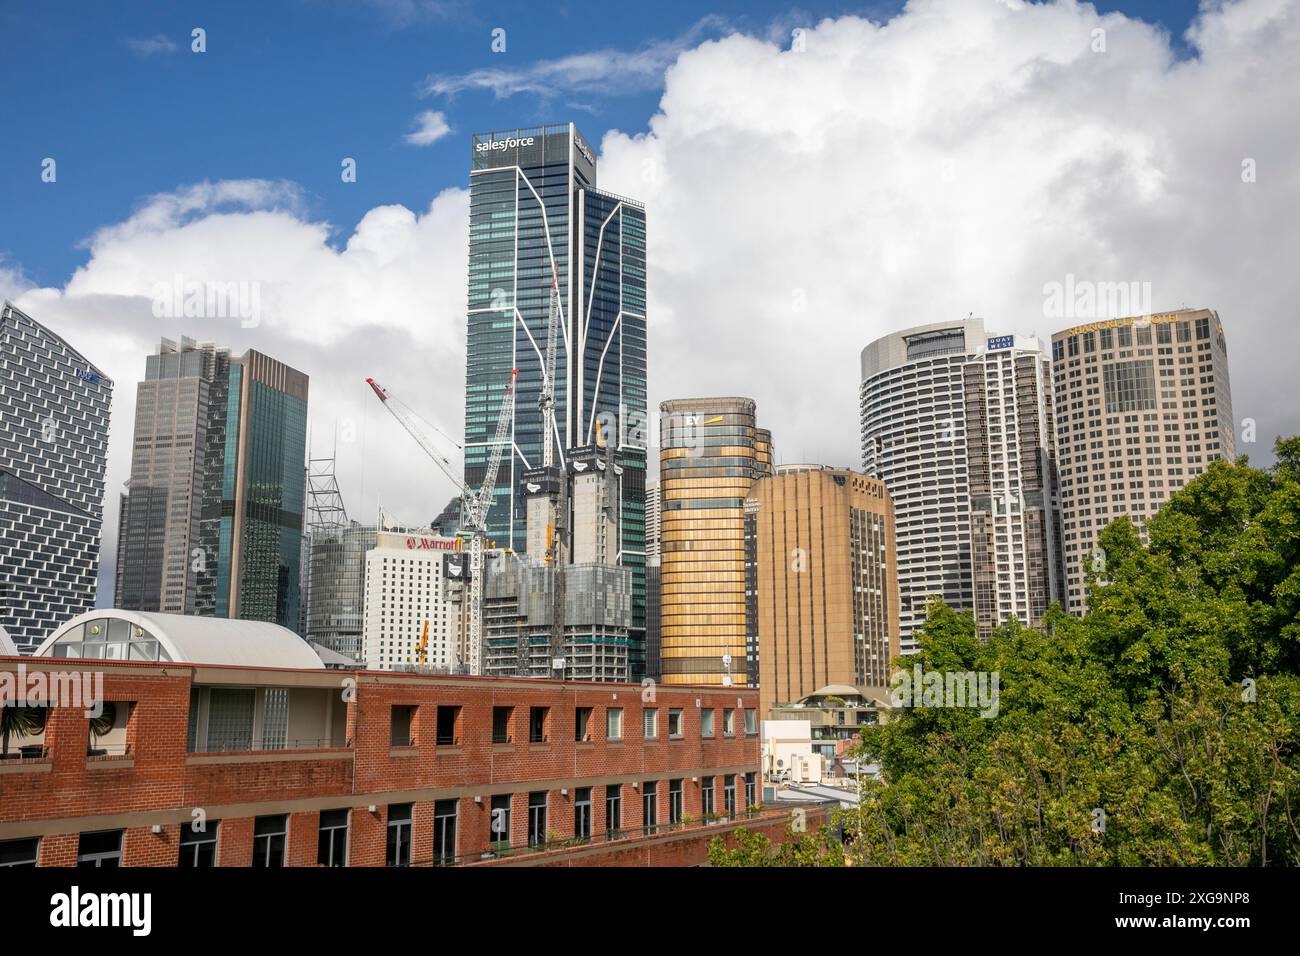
(54, 407)
(263, 492)
(535, 212)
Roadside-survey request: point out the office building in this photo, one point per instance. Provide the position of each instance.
(711, 452)
(537, 217)
(169, 529)
(412, 609)
(337, 587)
(652, 580)
(958, 426)
(1143, 406)
(54, 409)
(826, 593)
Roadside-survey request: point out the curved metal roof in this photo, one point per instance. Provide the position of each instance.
(189, 639)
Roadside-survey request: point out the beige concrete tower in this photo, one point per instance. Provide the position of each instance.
(826, 581)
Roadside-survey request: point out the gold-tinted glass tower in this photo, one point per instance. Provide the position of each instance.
(711, 452)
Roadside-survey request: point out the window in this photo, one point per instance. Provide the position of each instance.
(199, 847)
(582, 813)
(403, 721)
(614, 723)
(501, 821)
(448, 720)
(444, 832)
(751, 723)
(332, 844)
(398, 851)
(649, 806)
(706, 723)
(675, 722)
(582, 723)
(728, 722)
(650, 720)
(103, 848)
(537, 724)
(501, 724)
(19, 852)
(108, 731)
(751, 795)
(729, 795)
(707, 806)
(613, 808)
(674, 801)
(537, 818)
(269, 837)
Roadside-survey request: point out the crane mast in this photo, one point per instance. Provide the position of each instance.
(556, 553)
(474, 505)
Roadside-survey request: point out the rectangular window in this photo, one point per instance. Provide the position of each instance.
(674, 801)
(1107, 339)
(448, 726)
(537, 818)
(398, 849)
(728, 722)
(706, 722)
(751, 723)
(444, 832)
(707, 806)
(500, 821)
(614, 723)
(613, 809)
(650, 806)
(729, 795)
(270, 835)
(674, 722)
(199, 847)
(751, 788)
(537, 724)
(403, 721)
(19, 852)
(650, 719)
(582, 723)
(103, 848)
(582, 813)
(501, 724)
(332, 843)
(1129, 386)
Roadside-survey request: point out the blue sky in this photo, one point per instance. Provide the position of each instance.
(286, 90)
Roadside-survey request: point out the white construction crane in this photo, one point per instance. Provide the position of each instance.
(474, 505)
(557, 552)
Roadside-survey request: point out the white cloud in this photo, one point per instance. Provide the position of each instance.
(429, 127)
(954, 160)
(598, 72)
(151, 46)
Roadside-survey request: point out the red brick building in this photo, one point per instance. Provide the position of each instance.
(306, 767)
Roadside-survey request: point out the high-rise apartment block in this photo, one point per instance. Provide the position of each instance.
(652, 580)
(826, 585)
(958, 425)
(711, 452)
(1143, 405)
(212, 520)
(537, 220)
(54, 408)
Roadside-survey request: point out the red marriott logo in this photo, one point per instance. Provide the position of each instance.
(432, 544)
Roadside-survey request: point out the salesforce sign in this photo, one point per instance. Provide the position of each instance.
(503, 144)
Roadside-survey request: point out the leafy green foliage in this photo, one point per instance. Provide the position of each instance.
(1162, 729)
(821, 848)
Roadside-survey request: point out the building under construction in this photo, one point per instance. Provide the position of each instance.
(577, 567)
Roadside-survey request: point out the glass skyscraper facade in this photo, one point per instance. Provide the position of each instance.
(54, 408)
(263, 492)
(535, 214)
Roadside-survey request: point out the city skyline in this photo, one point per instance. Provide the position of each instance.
(352, 295)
